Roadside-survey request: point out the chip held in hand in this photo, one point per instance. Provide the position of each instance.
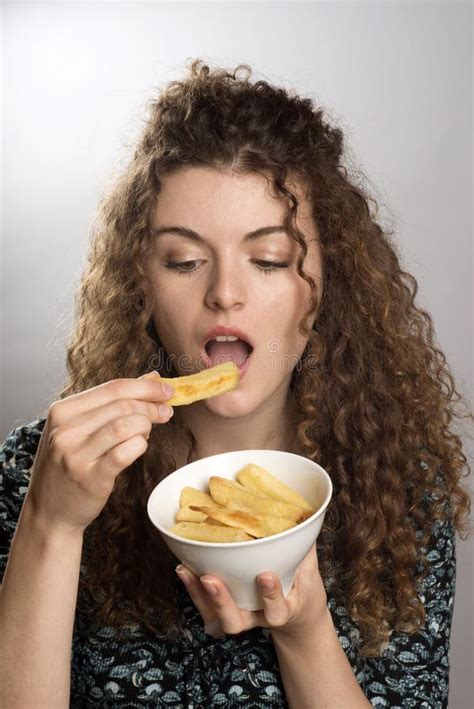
(201, 385)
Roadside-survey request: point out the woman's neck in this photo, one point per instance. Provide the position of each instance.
(273, 429)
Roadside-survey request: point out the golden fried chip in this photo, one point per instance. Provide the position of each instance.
(201, 385)
(236, 497)
(191, 496)
(256, 525)
(186, 514)
(261, 482)
(202, 532)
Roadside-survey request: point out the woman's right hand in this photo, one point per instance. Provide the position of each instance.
(87, 440)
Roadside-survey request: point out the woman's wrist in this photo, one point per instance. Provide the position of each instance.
(303, 636)
(44, 528)
(331, 681)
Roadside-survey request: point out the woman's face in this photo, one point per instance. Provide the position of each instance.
(225, 281)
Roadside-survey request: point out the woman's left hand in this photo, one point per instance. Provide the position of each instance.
(303, 609)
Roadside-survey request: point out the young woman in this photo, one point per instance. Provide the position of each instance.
(236, 212)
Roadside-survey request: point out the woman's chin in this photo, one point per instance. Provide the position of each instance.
(232, 404)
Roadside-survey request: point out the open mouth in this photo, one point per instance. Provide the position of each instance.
(237, 351)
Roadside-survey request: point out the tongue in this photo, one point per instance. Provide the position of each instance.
(219, 352)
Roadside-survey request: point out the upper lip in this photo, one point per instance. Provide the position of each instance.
(226, 330)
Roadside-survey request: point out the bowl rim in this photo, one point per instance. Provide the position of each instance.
(253, 542)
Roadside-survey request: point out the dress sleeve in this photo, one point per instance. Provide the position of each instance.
(17, 454)
(413, 670)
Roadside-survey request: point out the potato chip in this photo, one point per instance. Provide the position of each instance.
(235, 496)
(191, 496)
(261, 482)
(201, 385)
(255, 525)
(202, 532)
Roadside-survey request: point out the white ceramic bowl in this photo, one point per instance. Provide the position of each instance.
(239, 563)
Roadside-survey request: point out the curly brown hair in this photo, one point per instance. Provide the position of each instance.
(374, 393)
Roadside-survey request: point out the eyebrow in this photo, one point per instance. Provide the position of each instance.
(191, 234)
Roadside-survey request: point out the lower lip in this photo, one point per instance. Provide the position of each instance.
(242, 368)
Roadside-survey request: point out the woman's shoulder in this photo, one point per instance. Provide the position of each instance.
(17, 454)
(18, 451)
(24, 435)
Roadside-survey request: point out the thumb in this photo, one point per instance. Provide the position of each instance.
(275, 608)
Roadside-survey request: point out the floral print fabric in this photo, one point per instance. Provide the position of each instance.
(136, 669)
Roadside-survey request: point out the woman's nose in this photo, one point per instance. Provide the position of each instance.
(226, 286)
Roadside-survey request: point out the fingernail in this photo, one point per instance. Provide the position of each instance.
(167, 389)
(165, 410)
(210, 587)
(182, 573)
(266, 582)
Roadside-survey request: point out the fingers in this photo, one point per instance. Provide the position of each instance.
(74, 433)
(218, 610)
(215, 603)
(221, 605)
(98, 439)
(62, 411)
(229, 615)
(102, 440)
(102, 473)
(201, 600)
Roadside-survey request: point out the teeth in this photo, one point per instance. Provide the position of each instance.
(226, 338)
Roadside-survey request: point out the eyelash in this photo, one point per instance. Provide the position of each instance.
(274, 266)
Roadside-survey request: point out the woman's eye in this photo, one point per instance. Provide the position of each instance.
(264, 266)
(269, 266)
(179, 266)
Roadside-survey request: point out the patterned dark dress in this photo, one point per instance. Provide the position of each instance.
(198, 670)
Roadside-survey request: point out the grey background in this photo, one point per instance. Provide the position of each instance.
(397, 77)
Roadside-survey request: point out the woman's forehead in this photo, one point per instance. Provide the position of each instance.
(206, 200)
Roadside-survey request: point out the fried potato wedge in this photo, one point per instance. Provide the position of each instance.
(201, 385)
(193, 496)
(202, 532)
(256, 525)
(186, 514)
(261, 482)
(236, 497)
